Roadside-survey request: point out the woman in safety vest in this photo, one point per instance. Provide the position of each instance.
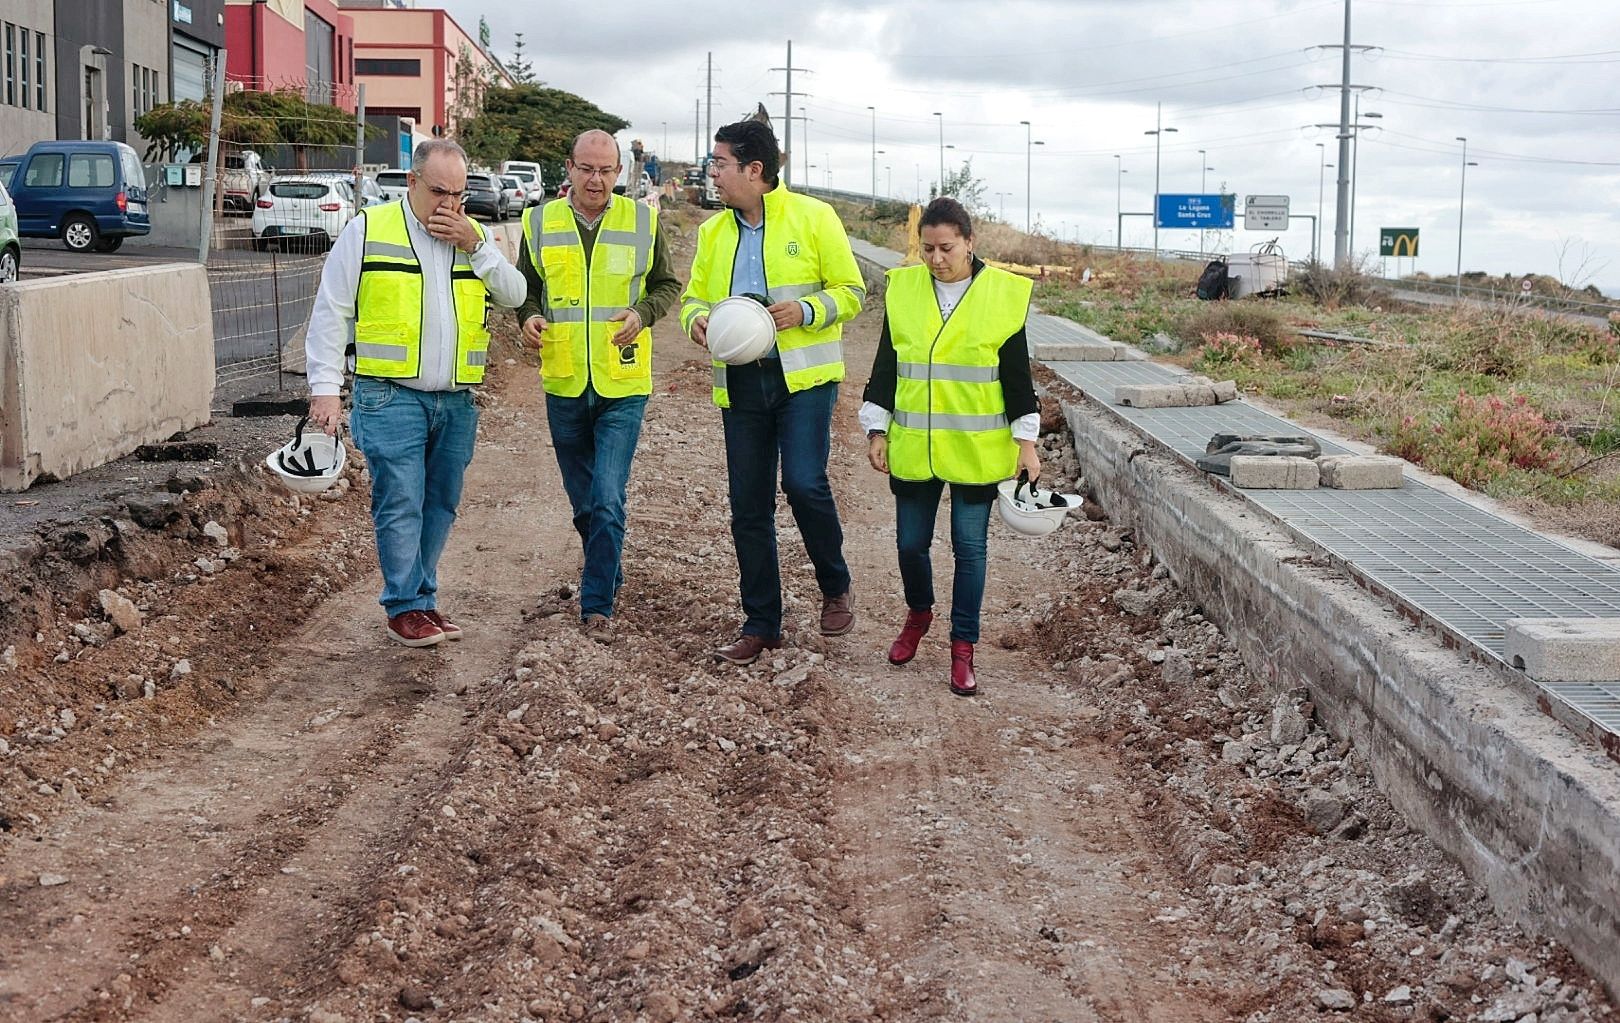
(950, 400)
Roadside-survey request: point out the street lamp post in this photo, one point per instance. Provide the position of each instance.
(1029, 176)
(888, 184)
(1321, 173)
(663, 154)
(1119, 180)
(941, 115)
(874, 152)
(1202, 187)
(1158, 133)
(1462, 195)
(1355, 167)
(804, 138)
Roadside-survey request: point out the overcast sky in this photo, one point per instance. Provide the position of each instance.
(1534, 85)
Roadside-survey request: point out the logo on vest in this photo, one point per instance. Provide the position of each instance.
(793, 248)
(627, 355)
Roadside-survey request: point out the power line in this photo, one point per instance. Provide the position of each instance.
(1609, 57)
(1447, 104)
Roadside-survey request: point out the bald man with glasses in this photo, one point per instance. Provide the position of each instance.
(599, 277)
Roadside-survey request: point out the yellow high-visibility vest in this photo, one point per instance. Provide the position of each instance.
(807, 257)
(576, 348)
(950, 419)
(388, 305)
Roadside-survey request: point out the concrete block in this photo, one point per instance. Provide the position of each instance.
(94, 365)
(1565, 649)
(1175, 395)
(1274, 472)
(1362, 472)
(1073, 352)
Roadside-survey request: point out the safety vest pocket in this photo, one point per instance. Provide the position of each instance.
(620, 262)
(556, 354)
(630, 362)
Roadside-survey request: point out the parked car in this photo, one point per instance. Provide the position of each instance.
(10, 248)
(517, 197)
(370, 194)
(531, 167)
(90, 194)
(564, 188)
(392, 184)
(533, 193)
(305, 209)
(485, 198)
(243, 180)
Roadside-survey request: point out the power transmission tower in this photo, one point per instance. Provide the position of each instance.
(787, 114)
(1341, 207)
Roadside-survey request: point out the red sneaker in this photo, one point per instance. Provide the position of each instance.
(450, 629)
(963, 682)
(904, 647)
(414, 628)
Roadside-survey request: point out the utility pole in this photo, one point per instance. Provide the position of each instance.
(708, 120)
(1029, 176)
(359, 140)
(941, 115)
(1341, 208)
(1158, 134)
(874, 153)
(787, 117)
(697, 132)
(1462, 196)
(1321, 172)
(1119, 221)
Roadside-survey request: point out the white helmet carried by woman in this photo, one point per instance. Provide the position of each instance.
(741, 329)
(1030, 510)
(308, 465)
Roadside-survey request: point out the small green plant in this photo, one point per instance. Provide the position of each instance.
(1479, 439)
(1249, 319)
(1224, 351)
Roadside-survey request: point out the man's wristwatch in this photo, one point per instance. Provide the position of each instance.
(876, 433)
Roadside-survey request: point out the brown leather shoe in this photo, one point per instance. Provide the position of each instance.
(838, 613)
(746, 649)
(450, 629)
(414, 628)
(599, 628)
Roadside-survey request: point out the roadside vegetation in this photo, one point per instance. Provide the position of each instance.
(1513, 402)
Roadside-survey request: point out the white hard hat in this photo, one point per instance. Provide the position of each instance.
(308, 465)
(1030, 510)
(741, 330)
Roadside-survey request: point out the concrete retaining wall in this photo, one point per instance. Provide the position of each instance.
(94, 365)
(1528, 809)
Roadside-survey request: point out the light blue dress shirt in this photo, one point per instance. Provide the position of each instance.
(748, 272)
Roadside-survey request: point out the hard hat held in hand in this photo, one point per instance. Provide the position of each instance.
(741, 329)
(1030, 510)
(308, 464)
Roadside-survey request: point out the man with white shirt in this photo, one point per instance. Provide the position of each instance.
(405, 292)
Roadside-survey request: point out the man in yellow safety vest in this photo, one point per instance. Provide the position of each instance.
(598, 275)
(792, 249)
(411, 283)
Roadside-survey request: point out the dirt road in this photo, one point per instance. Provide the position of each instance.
(526, 825)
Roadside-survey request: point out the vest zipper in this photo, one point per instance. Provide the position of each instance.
(929, 442)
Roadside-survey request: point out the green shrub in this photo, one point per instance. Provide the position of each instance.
(1249, 319)
(1223, 352)
(1487, 344)
(1480, 439)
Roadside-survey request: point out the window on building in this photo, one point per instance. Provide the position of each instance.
(39, 71)
(189, 77)
(388, 67)
(90, 170)
(11, 65)
(22, 69)
(44, 171)
(320, 40)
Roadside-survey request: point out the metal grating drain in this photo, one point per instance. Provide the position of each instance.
(1463, 567)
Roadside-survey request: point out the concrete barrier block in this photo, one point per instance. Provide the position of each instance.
(1174, 395)
(1565, 649)
(1051, 352)
(1362, 472)
(94, 365)
(1274, 472)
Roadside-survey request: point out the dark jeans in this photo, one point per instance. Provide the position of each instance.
(417, 446)
(765, 424)
(915, 509)
(595, 438)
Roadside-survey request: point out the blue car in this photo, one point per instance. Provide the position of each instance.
(92, 195)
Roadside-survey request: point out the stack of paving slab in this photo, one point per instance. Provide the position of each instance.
(1091, 347)
(1337, 472)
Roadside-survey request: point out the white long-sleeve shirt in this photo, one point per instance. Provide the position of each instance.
(331, 322)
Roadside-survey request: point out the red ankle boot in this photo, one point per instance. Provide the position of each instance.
(904, 647)
(963, 682)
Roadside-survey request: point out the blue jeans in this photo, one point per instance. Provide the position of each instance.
(766, 425)
(914, 534)
(595, 438)
(417, 446)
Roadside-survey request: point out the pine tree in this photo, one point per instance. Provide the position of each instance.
(521, 67)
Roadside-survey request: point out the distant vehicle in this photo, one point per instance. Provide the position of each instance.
(485, 198)
(90, 194)
(10, 248)
(694, 175)
(392, 184)
(564, 188)
(711, 194)
(526, 165)
(370, 194)
(244, 180)
(304, 209)
(517, 197)
(533, 193)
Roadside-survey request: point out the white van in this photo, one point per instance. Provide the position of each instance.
(392, 184)
(526, 165)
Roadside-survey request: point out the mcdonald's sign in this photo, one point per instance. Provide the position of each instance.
(1398, 241)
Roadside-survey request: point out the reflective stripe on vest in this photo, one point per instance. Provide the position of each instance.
(388, 304)
(583, 295)
(950, 419)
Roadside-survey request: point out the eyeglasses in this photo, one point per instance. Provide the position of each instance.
(720, 165)
(595, 172)
(439, 193)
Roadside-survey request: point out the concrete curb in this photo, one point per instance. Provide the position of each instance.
(1528, 809)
